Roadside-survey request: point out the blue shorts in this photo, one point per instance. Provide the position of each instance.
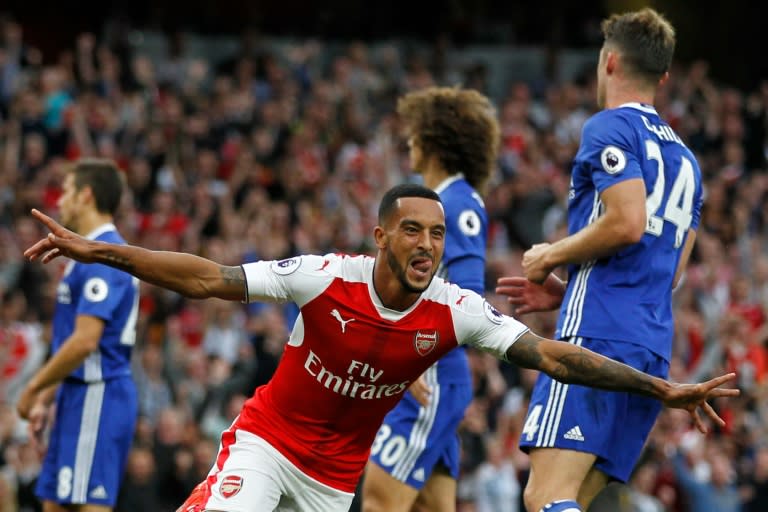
(612, 425)
(89, 442)
(412, 440)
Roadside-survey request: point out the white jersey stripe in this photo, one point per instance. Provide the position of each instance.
(572, 300)
(419, 433)
(551, 411)
(128, 334)
(86, 441)
(547, 408)
(421, 428)
(557, 414)
(585, 271)
(576, 300)
(561, 404)
(92, 367)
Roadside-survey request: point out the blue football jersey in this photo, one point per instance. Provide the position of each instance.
(466, 234)
(627, 296)
(464, 258)
(104, 292)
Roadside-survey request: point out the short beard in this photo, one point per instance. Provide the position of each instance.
(399, 272)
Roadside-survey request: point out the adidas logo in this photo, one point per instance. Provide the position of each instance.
(419, 475)
(100, 493)
(574, 434)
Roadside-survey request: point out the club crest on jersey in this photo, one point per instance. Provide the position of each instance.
(231, 485)
(493, 314)
(613, 160)
(425, 342)
(286, 266)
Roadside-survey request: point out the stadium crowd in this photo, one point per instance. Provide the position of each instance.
(268, 154)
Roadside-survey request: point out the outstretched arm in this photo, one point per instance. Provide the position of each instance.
(572, 364)
(187, 274)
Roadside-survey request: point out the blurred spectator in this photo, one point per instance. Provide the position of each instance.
(756, 486)
(22, 349)
(140, 487)
(172, 459)
(497, 488)
(641, 486)
(707, 478)
(223, 332)
(154, 391)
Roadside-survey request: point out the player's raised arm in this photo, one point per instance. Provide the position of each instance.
(187, 274)
(573, 364)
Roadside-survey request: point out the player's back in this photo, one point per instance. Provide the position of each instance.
(106, 293)
(463, 262)
(466, 232)
(627, 296)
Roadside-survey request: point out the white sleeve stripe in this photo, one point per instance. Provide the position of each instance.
(246, 298)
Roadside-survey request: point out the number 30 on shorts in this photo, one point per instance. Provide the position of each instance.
(391, 448)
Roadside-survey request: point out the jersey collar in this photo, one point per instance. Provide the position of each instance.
(447, 181)
(93, 235)
(649, 109)
(384, 312)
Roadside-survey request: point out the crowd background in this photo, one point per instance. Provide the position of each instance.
(283, 147)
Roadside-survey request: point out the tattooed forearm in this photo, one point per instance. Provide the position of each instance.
(120, 262)
(525, 351)
(187, 274)
(588, 368)
(234, 277)
(572, 364)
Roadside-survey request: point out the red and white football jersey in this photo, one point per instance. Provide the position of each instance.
(349, 359)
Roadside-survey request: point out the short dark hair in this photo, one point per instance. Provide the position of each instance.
(646, 40)
(388, 202)
(105, 180)
(458, 126)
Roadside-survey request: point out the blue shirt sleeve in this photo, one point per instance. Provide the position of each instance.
(609, 146)
(469, 272)
(102, 290)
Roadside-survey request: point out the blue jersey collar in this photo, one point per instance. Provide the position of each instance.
(93, 235)
(640, 106)
(447, 181)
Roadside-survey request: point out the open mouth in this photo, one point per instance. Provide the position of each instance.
(421, 266)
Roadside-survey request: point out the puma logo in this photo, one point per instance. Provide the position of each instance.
(335, 314)
(461, 299)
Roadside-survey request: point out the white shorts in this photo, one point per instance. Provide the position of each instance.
(254, 477)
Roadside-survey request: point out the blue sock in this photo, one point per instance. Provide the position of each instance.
(561, 506)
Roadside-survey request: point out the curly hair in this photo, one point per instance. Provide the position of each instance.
(646, 40)
(457, 126)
